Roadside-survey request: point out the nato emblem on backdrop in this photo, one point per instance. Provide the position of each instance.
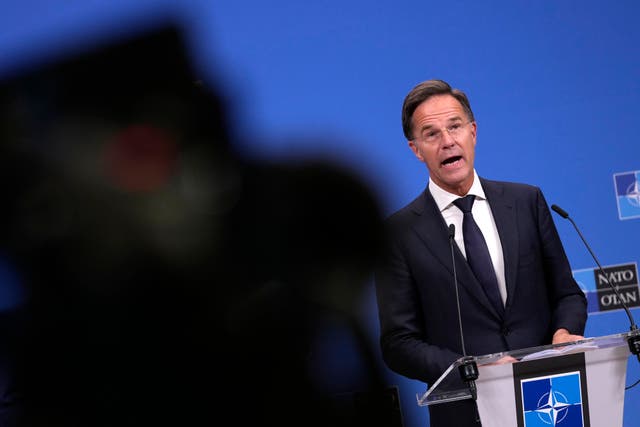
(597, 287)
(628, 194)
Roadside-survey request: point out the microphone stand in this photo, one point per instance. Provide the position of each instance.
(468, 369)
(633, 339)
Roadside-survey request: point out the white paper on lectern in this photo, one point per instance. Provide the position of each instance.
(576, 348)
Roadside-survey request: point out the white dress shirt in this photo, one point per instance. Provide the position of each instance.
(483, 217)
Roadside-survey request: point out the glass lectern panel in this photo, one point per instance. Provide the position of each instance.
(449, 387)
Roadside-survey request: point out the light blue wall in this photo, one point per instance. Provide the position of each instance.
(555, 86)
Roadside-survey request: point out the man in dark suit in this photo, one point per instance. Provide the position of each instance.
(538, 301)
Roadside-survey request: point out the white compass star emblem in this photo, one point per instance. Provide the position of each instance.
(552, 407)
(633, 194)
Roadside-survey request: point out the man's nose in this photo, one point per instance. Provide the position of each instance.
(445, 137)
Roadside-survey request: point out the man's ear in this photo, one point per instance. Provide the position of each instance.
(474, 132)
(415, 150)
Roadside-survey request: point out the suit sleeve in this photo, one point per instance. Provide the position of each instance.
(402, 339)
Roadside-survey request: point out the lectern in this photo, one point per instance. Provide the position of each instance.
(580, 384)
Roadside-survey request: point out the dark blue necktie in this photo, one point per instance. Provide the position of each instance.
(478, 254)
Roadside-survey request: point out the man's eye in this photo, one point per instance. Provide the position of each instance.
(455, 126)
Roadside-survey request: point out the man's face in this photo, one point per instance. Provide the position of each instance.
(445, 141)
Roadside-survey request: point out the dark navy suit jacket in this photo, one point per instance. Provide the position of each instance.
(416, 294)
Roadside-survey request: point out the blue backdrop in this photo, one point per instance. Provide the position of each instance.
(555, 87)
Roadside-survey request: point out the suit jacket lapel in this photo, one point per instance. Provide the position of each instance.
(505, 215)
(432, 230)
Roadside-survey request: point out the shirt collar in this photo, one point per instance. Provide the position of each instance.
(444, 199)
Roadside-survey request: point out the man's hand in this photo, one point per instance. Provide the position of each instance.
(563, 335)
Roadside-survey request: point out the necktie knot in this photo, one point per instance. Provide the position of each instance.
(465, 203)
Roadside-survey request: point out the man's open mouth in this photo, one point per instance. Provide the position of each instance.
(451, 160)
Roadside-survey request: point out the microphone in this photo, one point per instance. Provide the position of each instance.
(633, 341)
(468, 369)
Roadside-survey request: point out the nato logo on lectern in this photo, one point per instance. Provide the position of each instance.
(552, 392)
(628, 194)
(597, 285)
(555, 400)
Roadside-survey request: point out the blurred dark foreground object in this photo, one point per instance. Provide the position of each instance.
(168, 280)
